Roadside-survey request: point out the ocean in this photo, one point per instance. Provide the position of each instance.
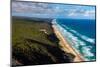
(80, 34)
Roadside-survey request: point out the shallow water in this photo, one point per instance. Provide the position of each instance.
(80, 34)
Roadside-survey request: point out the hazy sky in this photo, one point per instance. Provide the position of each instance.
(49, 10)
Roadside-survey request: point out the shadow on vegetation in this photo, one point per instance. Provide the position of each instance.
(54, 55)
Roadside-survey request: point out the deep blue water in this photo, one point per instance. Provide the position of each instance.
(80, 33)
(85, 27)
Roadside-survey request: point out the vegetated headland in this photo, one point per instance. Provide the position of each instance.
(34, 42)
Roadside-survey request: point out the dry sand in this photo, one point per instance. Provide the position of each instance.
(66, 46)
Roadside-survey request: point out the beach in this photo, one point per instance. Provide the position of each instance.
(66, 47)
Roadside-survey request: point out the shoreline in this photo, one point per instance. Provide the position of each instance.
(66, 47)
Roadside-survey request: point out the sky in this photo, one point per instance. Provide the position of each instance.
(52, 10)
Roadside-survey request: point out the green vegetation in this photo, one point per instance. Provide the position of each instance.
(33, 42)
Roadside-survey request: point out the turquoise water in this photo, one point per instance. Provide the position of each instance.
(80, 34)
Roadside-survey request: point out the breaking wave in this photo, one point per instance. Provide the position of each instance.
(78, 44)
(86, 38)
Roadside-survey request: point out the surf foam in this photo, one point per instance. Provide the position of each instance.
(75, 42)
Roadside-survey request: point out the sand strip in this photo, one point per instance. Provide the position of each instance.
(66, 47)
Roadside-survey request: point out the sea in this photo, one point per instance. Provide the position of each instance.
(80, 34)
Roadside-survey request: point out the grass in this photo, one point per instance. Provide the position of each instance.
(30, 46)
(23, 29)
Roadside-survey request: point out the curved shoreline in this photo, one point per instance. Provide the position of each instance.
(66, 47)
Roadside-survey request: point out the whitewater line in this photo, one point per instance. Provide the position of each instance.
(65, 44)
(88, 39)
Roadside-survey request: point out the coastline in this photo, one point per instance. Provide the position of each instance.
(38, 43)
(66, 47)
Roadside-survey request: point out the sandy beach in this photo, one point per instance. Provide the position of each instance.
(66, 46)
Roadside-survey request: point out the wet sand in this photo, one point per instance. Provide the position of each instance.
(65, 46)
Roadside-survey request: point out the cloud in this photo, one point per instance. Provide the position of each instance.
(72, 12)
(89, 13)
(81, 13)
(30, 7)
(55, 10)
